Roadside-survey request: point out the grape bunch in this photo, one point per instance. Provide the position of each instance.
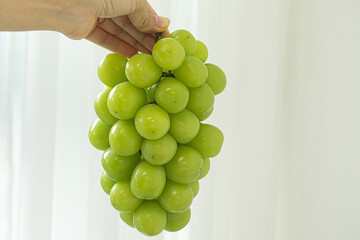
(156, 148)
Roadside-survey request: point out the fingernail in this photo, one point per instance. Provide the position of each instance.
(162, 22)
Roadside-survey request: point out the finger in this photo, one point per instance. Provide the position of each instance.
(147, 22)
(146, 39)
(110, 42)
(151, 10)
(109, 26)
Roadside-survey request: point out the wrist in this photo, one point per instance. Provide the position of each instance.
(22, 15)
(63, 16)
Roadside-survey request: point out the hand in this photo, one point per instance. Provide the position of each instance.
(122, 26)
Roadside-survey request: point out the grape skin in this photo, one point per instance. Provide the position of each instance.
(101, 107)
(172, 95)
(99, 134)
(201, 51)
(168, 53)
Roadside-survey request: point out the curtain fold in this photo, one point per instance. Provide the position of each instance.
(290, 164)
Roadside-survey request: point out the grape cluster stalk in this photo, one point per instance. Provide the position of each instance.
(150, 127)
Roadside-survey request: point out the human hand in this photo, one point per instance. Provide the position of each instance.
(122, 26)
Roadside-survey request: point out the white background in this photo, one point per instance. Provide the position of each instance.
(290, 165)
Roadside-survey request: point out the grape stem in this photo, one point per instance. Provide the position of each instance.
(158, 36)
(167, 74)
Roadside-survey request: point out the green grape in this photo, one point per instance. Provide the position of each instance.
(106, 88)
(142, 71)
(168, 53)
(176, 197)
(101, 107)
(125, 100)
(124, 139)
(185, 166)
(99, 134)
(122, 198)
(147, 181)
(205, 168)
(159, 151)
(184, 126)
(206, 114)
(201, 99)
(119, 167)
(186, 39)
(150, 218)
(128, 218)
(111, 69)
(195, 188)
(201, 51)
(172, 95)
(177, 221)
(152, 122)
(150, 93)
(106, 183)
(192, 72)
(216, 78)
(208, 141)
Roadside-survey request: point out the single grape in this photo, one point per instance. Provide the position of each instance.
(172, 95)
(159, 151)
(124, 139)
(142, 71)
(152, 122)
(147, 181)
(201, 51)
(122, 199)
(192, 72)
(99, 134)
(208, 141)
(125, 100)
(119, 167)
(206, 114)
(150, 218)
(168, 53)
(195, 188)
(201, 100)
(176, 197)
(205, 168)
(185, 166)
(106, 183)
(177, 221)
(184, 126)
(101, 107)
(111, 69)
(150, 93)
(128, 218)
(216, 78)
(186, 39)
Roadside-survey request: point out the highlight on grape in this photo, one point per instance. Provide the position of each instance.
(150, 127)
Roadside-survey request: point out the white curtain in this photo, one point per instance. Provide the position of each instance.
(290, 165)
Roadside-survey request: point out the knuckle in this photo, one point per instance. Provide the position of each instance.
(119, 32)
(103, 39)
(100, 21)
(127, 23)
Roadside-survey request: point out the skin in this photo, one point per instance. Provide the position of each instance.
(121, 26)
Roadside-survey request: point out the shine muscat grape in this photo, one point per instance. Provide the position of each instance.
(156, 147)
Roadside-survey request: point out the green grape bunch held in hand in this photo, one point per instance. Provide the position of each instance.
(150, 127)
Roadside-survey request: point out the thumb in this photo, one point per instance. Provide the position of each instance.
(148, 22)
